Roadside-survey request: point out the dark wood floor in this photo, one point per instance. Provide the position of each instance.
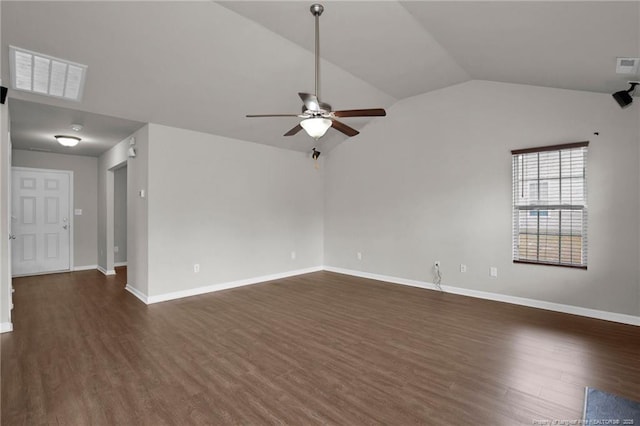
(321, 348)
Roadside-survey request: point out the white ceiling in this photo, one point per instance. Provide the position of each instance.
(378, 42)
(204, 65)
(568, 45)
(34, 125)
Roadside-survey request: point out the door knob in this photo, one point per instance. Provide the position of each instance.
(65, 226)
(12, 237)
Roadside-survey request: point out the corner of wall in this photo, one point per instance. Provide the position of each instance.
(137, 216)
(137, 293)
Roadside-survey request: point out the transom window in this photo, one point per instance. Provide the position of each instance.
(550, 205)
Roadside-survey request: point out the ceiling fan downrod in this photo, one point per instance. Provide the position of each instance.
(319, 116)
(316, 11)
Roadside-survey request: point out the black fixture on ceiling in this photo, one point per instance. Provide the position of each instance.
(623, 97)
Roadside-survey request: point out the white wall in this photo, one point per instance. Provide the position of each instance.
(85, 186)
(432, 181)
(236, 208)
(120, 214)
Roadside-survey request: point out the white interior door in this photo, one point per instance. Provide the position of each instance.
(41, 221)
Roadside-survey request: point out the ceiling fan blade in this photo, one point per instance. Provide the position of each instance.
(310, 101)
(371, 112)
(341, 127)
(294, 130)
(272, 115)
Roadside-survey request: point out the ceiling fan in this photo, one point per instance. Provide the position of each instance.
(318, 116)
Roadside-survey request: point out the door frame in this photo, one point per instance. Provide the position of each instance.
(110, 217)
(71, 213)
(5, 164)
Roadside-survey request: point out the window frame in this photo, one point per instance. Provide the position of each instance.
(516, 209)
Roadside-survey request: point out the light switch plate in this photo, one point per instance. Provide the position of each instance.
(77, 212)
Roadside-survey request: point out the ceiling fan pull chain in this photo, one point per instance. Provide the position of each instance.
(315, 154)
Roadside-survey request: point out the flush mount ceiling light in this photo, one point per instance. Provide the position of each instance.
(45, 75)
(623, 97)
(319, 116)
(67, 140)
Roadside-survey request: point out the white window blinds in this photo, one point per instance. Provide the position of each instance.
(550, 205)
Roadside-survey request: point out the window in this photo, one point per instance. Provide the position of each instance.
(550, 205)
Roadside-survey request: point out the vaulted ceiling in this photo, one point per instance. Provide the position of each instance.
(204, 65)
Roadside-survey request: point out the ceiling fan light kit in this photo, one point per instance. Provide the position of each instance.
(316, 127)
(318, 116)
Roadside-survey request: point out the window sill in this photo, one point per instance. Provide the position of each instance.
(562, 265)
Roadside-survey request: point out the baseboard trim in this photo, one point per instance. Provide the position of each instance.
(225, 286)
(104, 271)
(118, 264)
(137, 293)
(6, 327)
(84, 268)
(523, 301)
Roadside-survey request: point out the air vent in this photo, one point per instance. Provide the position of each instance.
(627, 65)
(45, 75)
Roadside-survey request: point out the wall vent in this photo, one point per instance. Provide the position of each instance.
(45, 75)
(627, 65)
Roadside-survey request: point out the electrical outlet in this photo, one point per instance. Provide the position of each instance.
(359, 254)
(293, 255)
(463, 267)
(196, 268)
(493, 272)
(436, 263)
